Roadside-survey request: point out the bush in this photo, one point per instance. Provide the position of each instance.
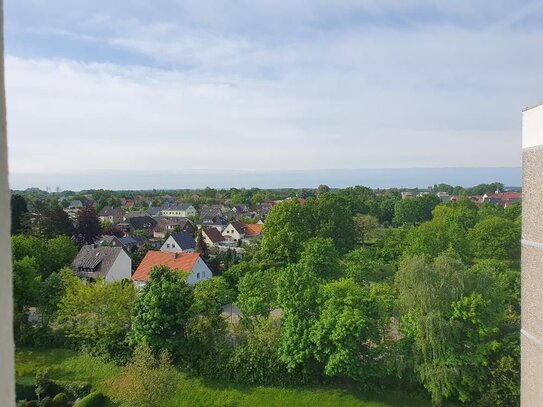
(24, 388)
(60, 400)
(32, 403)
(72, 389)
(95, 399)
(146, 382)
(47, 402)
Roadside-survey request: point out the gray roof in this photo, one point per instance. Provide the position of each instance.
(180, 207)
(109, 211)
(184, 240)
(95, 262)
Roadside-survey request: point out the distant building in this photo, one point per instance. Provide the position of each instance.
(113, 215)
(444, 196)
(179, 211)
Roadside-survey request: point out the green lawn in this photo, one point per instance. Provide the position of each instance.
(69, 365)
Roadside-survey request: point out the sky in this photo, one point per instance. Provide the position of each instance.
(177, 87)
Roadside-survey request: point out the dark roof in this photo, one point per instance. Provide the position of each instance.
(142, 222)
(109, 211)
(184, 240)
(98, 259)
(179, 207)
(127, 240)
(210, 211)
(213, 234)
(239, 226)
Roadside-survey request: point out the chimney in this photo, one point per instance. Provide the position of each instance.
(174, 255)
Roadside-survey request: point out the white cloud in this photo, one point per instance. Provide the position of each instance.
(351, 96)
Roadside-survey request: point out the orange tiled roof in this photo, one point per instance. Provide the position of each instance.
(177, 261)
(253, 229)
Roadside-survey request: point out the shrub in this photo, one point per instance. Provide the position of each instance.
(72, 389)
(146, 382)
(32, 403)
(47, 402)
(60, 400)
(95, 399)
(24, 388)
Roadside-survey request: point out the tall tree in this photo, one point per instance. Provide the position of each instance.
(87, 226)
(163, 310)
(201, 245)
(18, 211)
(495, 238)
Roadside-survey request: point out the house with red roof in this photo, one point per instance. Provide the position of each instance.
(190, 263)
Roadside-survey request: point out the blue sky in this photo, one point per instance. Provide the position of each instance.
(269, 85)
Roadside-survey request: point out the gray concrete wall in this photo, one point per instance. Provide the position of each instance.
(7, 370)
(532, 258)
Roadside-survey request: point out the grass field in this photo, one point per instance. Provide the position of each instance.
(69, 365)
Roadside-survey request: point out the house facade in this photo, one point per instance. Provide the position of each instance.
(179, 211)
(190, 263)
(109, 263)
(179, 242)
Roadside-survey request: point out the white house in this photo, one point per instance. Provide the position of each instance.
(235, 231)
(179, 211)
(110, 263)
(179, 242)
(190, 263)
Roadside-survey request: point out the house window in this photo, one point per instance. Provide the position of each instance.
(197, 275)
(168, 245)
(173, 244)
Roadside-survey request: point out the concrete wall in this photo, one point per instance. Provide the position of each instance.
(7, 364)
(532, 258)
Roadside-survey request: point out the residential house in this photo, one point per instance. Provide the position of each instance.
(109, 263)
(502, 198)
(113, 215)
(190, 263)
(444, 196)
(212, 236)
(407, 195)
(179, 242)
(137, 223)
(179, 211)
(169, 225)
(213, 216)
(238, 230)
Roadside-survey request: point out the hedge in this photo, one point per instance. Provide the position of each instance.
(95, 399)
(24, 388)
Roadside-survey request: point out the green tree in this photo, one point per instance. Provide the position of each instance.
(435, 237)
(98, 317)
(495, 238)
(416, 210)
(257, 293)
(345, 330)
(201, 245)
(52, 290)
(288, 226)
(18, 211)
(451, 318)
(322, 189)
(365, 225)
(26, 282)
(297, 295)
(60, 252)
(162, 311)
(333, 218)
